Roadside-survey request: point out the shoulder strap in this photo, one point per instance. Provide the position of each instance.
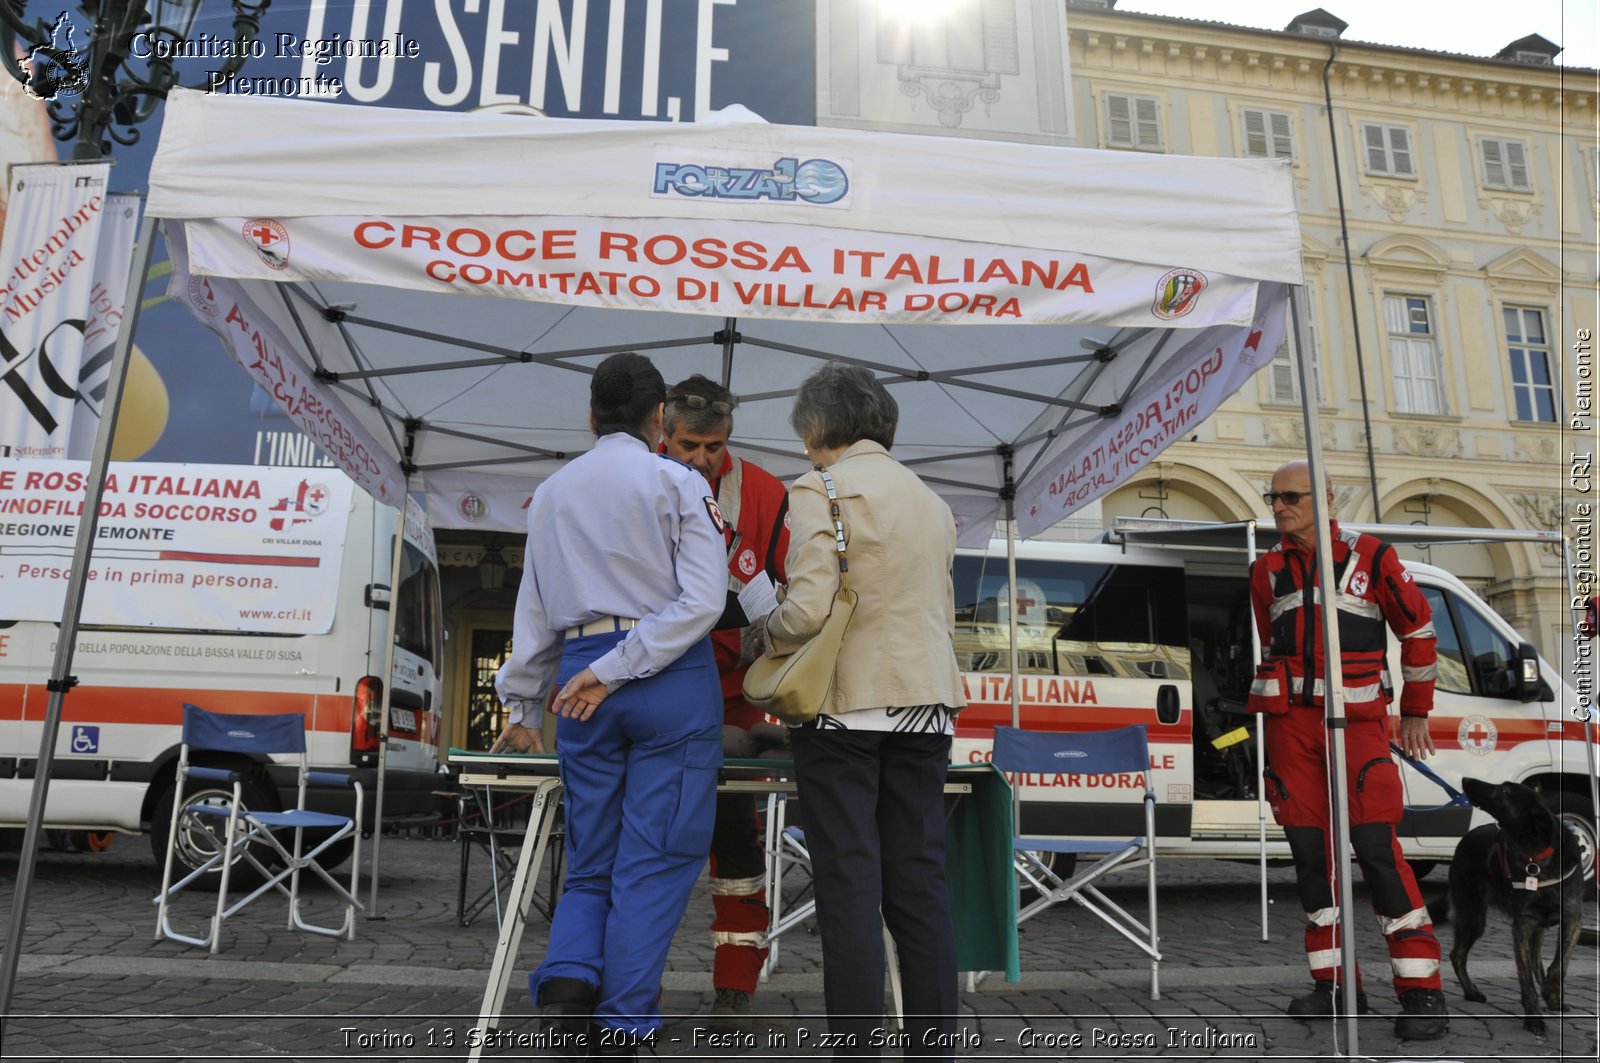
(838, 524)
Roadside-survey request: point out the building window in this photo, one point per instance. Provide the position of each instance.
(1413, 355)
(1531, 382)
(1133, 122)
(1267, 134)
(1505, 164)
(1283, 373)
(1388, 150)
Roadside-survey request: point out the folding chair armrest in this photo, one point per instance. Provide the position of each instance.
(330, 778)
(199, 771)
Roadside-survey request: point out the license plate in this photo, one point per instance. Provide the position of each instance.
(403, 719)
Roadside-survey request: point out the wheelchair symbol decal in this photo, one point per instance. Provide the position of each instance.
(85, 739)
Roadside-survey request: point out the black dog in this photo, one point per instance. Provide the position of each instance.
(1526, 864)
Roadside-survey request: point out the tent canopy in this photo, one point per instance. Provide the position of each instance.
(344, 255)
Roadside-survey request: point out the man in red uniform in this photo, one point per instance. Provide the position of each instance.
(1375, 595)
(755, 508)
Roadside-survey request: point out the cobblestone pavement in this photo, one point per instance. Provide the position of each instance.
(94, 984)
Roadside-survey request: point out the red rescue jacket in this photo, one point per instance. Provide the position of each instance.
(1375, 594)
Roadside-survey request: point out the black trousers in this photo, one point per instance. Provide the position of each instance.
(873, 804)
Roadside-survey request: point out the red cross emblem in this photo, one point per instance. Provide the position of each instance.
(1477, 735)
(270, 241)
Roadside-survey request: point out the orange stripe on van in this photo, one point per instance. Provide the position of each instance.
(978, 719)
(164, 705)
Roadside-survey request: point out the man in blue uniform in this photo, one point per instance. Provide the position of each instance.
(624, 577)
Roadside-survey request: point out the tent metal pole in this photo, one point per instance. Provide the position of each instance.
(388, 695)
(1261, 743)
(1333, 677)
(61, 679)
(730, 334)
(1011, 595)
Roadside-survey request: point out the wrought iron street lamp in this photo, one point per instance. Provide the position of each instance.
(99, 89)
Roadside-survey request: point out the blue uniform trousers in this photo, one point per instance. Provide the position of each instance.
(640, 782)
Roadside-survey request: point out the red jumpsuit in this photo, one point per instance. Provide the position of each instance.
(1375, 593)
(756, 508)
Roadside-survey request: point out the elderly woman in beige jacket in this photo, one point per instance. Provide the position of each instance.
(871, 768)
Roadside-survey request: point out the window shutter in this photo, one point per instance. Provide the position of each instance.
(1494, 170)
(1149, 122)
(1282, 136)
(1400, 147)
(1282, 387)
(1119, 121)
(1517, 165)
(1377, 150)
(1255, 134)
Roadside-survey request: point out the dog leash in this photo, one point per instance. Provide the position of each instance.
(1457, 798)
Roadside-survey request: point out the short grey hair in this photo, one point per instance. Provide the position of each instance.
(703, 420)
(843, 404)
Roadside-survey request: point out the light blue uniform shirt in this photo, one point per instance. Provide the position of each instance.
(619, 531)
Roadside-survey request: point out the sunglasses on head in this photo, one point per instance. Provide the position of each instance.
(1289, 498)
(700, 402)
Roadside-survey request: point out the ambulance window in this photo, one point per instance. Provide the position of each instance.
(1452, 662)
(418, 622)
(1073, 618)
(1477, 649)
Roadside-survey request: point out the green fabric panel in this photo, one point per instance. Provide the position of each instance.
(981, 875)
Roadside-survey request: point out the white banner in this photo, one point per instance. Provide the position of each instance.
(119, 228)
(722, 267)
(1189, 387)
(47, 269)
(204, 547)
(265, 352)
(460, 498)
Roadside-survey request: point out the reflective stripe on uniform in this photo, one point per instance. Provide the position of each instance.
(738, 887)
(1323, 916)
(754, 940)
(1324, 959)
(1349, 603)
(1404, 967)
(1413, 919)
(1424, 632)
(1415, 675)
(1370, 692)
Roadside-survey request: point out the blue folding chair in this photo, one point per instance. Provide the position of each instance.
(236, 835)
(1122, 751)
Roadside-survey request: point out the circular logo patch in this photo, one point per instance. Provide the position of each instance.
(472, 508)
(201, 295)
(269, 240)
(747, 562)
(1477, 735)
(1177, 292)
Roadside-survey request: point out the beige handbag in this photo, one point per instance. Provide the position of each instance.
(793, 686)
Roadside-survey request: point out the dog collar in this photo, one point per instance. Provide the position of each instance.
(1534, 882)
(1531, 879)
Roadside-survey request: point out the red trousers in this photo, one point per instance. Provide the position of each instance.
(1297, 787)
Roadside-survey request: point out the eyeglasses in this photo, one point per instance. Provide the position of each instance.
(1289, 498)
(700, 402)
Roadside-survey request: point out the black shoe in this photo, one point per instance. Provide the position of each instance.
(1324, 1003)
(566, 1006)
(1422, 1017)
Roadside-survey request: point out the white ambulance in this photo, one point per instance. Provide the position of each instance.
(234, 588)
(1161, 635)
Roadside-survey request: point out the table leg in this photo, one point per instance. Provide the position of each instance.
(541, 819)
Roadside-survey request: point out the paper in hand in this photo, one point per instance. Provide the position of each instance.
(759, 597)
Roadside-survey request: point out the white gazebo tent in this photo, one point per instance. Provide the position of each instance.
(425, 294)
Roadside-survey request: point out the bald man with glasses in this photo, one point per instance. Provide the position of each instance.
(1375, 595)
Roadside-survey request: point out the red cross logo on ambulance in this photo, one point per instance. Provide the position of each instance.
(270, 241)
(1477, 735)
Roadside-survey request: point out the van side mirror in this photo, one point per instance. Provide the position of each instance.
(1527, 674)
(1168, 707)
(377, 596)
